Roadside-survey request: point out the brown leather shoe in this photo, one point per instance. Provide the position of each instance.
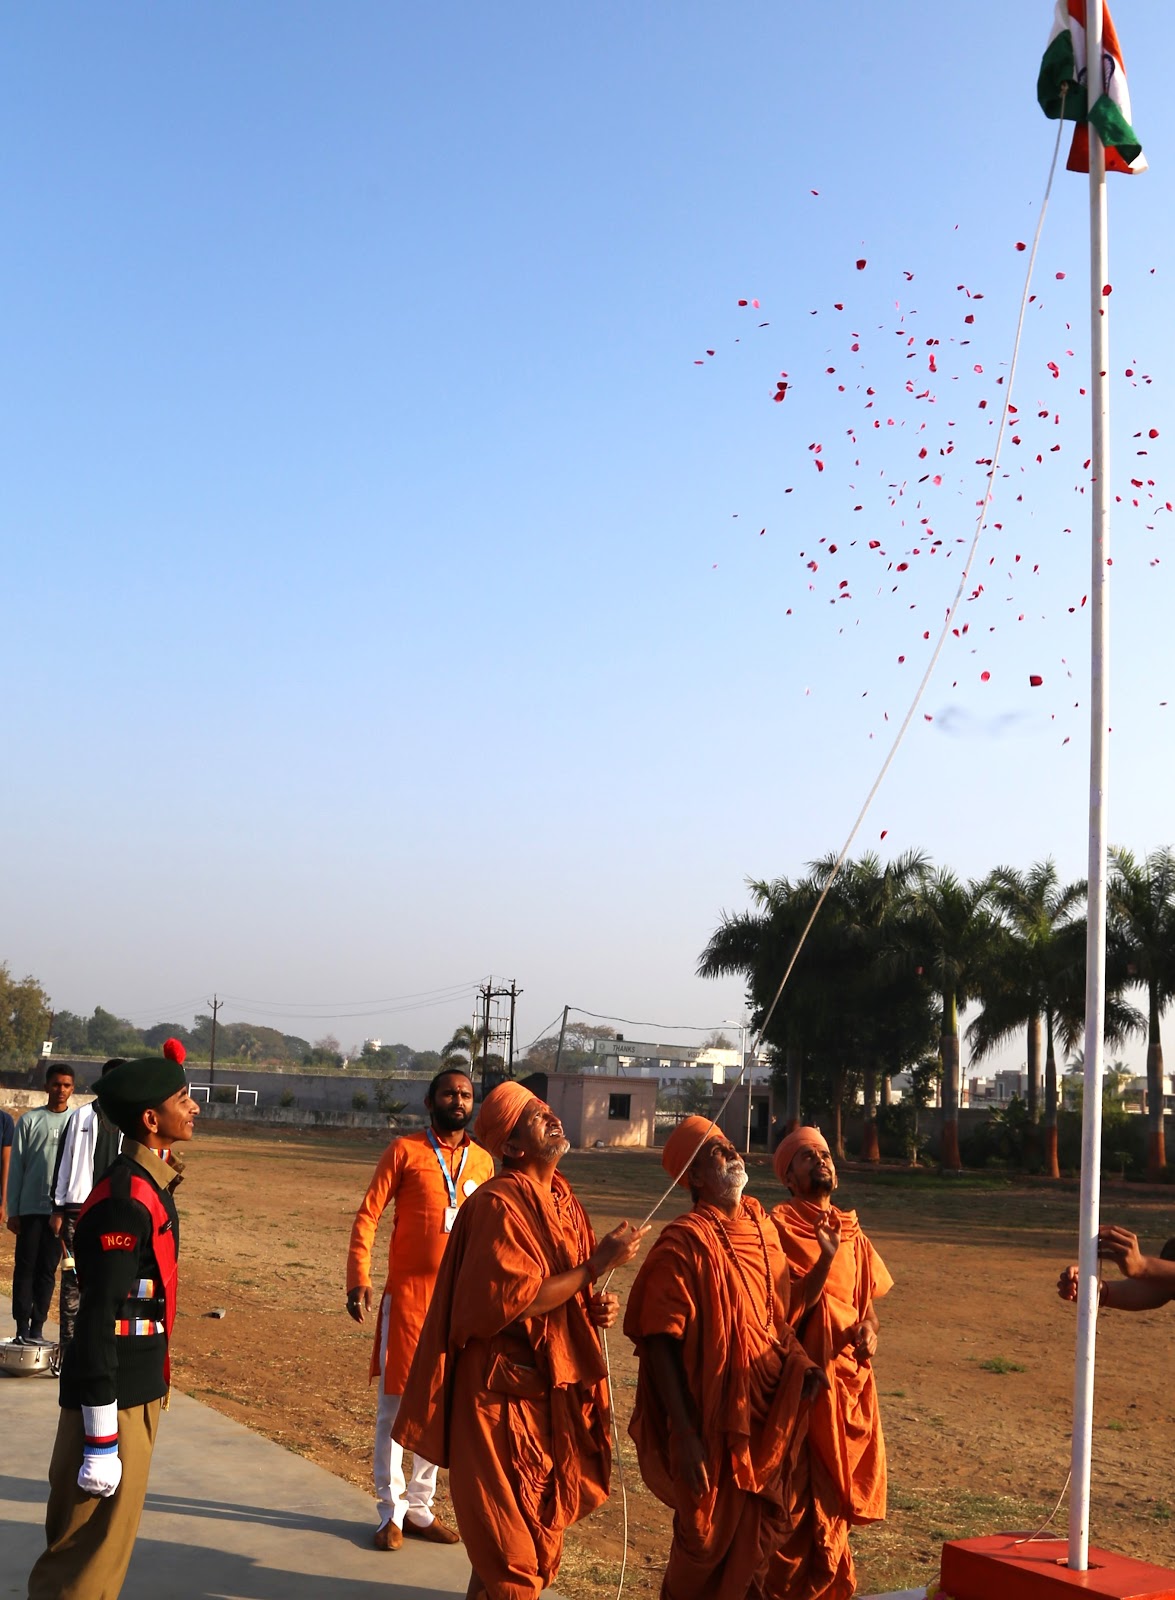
(388, 1537)
(437, 1532)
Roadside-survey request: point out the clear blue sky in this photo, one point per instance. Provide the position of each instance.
(386, 603)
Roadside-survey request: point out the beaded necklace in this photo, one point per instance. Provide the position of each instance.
(768, 1321)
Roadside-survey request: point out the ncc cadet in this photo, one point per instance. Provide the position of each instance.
(115, 1375)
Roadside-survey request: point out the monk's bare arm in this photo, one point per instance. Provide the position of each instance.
(613, 1250)
(667, 1375)
(1121, 1247)
(1126, 1294)
(811, 1286)
(865, 1335)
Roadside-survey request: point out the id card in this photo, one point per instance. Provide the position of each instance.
(450, 1218)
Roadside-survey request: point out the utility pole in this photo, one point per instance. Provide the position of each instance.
(562, 1031)
(487, 992)
(515, 991)
(215, 1004)
(497, 1031)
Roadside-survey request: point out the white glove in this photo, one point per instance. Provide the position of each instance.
(101, 1470)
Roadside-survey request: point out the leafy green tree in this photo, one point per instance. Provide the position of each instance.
(108, 1035)
(69, 1034)
(24, 1015)
(1141, 913)
(155, 1037)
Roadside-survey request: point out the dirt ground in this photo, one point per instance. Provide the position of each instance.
(975, 1362)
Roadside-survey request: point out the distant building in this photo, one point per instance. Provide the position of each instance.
(997, 1090)
(670, 1064)
(598, 1109)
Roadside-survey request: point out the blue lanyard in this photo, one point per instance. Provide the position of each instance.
(450, 1181)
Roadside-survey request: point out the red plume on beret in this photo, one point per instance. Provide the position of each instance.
(173, 1050)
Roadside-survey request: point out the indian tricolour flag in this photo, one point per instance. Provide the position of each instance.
(1064, 64)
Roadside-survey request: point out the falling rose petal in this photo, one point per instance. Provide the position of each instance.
(1060, 275)
(884, 831)
(755, 303)
(1107, 288)
(1153, 433)
(742, 302)
(819, 465)
(985, 677)
(1035, 680)
(861, 263)
(1020, 245)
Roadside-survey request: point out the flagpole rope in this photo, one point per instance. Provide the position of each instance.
(919, 693)
(952, 610)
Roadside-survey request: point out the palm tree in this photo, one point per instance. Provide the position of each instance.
(758, 945)
(845, 1016)
(463, 1048)
(869, 902)
(1141, 913)
(950, 933)
(1036, 979)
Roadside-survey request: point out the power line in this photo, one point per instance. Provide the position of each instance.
(665, 1027)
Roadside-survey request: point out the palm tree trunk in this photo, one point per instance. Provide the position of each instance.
(870, 1149)
(838, 1125)
(1051, 1168)
(1156, 1152)
(949, 1051)
(886, 1098)
(795, 1080)
(1034, 1031)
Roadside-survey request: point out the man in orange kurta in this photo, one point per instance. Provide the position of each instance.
(836, 1276)
(429, 1176)
(721, 1415)
(508, 1387)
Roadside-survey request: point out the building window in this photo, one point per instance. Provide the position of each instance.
(619, 1108)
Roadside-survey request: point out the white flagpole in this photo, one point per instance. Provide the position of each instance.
(1099, 771)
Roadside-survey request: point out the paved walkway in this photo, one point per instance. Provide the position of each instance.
(229, 1515)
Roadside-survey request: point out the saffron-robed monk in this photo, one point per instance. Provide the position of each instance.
(429, 1176)
(721, 1415)
(836, 1276)
(507, 1388)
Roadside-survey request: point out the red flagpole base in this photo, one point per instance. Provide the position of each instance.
(1008, 1566)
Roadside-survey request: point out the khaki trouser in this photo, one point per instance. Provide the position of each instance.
(90, 1540)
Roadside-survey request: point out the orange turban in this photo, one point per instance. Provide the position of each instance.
(798, 1139)
(500, 1110)
(684, 1143)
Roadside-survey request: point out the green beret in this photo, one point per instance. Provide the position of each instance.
(140, 1084)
